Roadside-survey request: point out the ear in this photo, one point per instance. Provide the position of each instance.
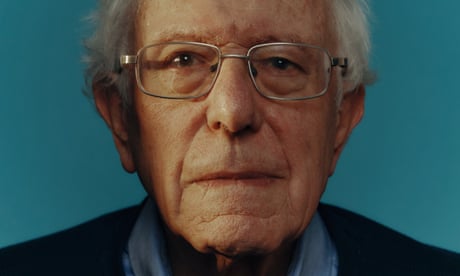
(350, 113)
(110, 107)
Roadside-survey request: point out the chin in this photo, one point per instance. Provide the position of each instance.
(239, 235)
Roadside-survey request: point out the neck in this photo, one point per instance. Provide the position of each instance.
(185, 260)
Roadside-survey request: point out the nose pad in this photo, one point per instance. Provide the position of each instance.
(233, 102)
(253, 71)
(213, 68)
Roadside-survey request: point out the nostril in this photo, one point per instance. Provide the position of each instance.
(232, 130)
(244, 130)
(217, 125)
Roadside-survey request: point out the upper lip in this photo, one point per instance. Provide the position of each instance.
(233, 162)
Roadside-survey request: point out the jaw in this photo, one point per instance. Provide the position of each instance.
(229, 256)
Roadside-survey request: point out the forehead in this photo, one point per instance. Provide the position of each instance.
(244, 22)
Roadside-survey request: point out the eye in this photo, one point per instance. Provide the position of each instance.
(183, 60)
(277, 66)
(282, 63)
(171, 61)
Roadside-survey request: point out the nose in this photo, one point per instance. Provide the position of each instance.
(233, 104)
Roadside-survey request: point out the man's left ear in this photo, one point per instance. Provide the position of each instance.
(350, 113)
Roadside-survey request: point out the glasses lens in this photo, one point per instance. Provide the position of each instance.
(177, 70)
(287, 71)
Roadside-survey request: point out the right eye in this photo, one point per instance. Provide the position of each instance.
(183, 60)
(173, 61)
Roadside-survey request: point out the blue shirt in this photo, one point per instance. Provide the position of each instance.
(145, 253)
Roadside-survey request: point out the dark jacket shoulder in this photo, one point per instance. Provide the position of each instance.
(366, 247)
(92, 248)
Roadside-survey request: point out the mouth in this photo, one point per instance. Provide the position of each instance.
(242, 178)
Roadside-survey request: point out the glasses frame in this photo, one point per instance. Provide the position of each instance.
(126, 60)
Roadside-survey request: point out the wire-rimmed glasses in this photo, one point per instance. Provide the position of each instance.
(187, 70)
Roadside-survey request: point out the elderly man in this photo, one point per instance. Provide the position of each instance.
(233, 114)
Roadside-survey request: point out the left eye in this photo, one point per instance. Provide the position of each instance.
(278, 65)
(281, 63)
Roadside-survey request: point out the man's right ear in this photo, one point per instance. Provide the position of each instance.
(110, 106)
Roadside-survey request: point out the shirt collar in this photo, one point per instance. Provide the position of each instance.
(315, 253)
(146, 249)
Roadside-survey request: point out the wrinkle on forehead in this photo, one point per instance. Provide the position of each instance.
(220, 21)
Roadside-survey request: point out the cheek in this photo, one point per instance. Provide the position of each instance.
(165, 132)
(309, 146)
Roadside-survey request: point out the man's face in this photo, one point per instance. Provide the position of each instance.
(232, 171)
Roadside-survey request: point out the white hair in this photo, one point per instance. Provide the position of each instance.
(114, 34)
(114, 27)
(352, 28)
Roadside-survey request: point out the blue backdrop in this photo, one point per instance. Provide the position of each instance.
(58, 165)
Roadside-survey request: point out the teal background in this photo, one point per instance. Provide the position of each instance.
(58, 165)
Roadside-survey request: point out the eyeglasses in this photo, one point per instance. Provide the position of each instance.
(188, 70)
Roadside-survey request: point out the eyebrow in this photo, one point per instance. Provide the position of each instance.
(170, 34)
